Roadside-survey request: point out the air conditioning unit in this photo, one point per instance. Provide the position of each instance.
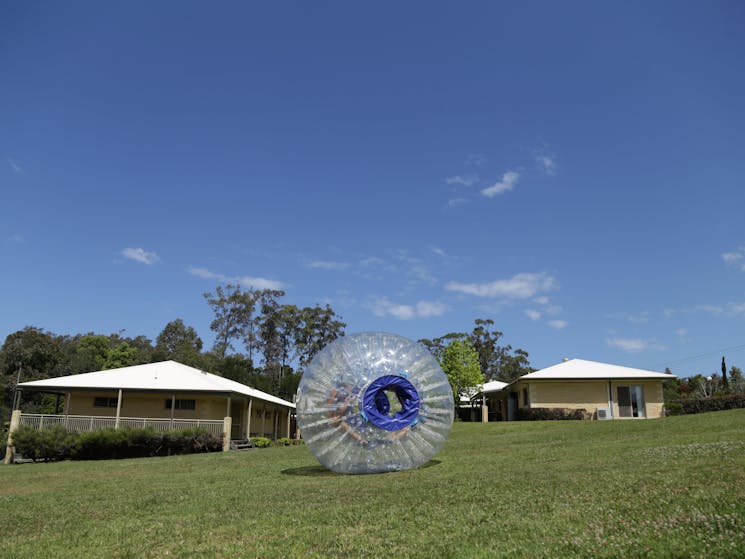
(604, 413)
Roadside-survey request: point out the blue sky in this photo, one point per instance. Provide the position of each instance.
(573, 171)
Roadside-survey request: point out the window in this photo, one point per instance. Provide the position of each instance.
(103, 402)
(526, 399)
(182, 404)
(630, 401)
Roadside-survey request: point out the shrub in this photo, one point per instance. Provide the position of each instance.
(57, 443)
(673, 408)
(283, 441)
(52, 443)
(549, 414)
(260, 442)
(715, 403)
(3, 442)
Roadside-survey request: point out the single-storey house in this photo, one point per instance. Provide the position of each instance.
(603, 391)
(165, 395)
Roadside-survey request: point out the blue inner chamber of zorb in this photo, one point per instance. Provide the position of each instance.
(374, 402)
(376, 405)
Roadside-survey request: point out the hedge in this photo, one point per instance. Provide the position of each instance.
(57, 443)
(701, 405)
(549, 414)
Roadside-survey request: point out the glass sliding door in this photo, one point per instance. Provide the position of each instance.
(631, 401)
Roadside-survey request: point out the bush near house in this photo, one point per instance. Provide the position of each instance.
(260, 442)
(3, 442)
(57, 443)
(550, 414)
(701, 405)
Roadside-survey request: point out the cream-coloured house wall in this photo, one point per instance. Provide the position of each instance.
(590, 395)
(268, 420)
(274, 424)
(148, 405)
(653, 397)
(587, 395)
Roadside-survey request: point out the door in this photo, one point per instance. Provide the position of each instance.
(630, 401)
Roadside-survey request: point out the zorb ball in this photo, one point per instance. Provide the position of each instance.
(374, 402)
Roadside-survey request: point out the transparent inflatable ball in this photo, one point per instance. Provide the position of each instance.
(374, 402)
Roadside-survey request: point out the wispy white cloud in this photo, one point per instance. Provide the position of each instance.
(635, 318)
(735, 258)
(533, 314)
(546, 163)
(15, 167)
(519, 286)
(15, 238)
(634, 345)
(415, 269)
(244, 281)
(439, 252)
(508, 182)
(728, 309)
(140, 255)
(464, 180)
(558, 324)
(457, 202)
(327, 265)
(382, 306)
(682, 334)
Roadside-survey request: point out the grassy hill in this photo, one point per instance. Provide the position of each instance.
(673, 487)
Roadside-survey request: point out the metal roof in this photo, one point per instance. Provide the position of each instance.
(493, 386)
(162, 376)
(580, 369)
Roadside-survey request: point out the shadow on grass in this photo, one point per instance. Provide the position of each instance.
(319, 471)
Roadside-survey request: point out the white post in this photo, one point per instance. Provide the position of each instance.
(118, 409)
(173, 408)
(15, 421)
(67, 407)
(248, 423)
(289, 418)
(227, 426)
(484, 409)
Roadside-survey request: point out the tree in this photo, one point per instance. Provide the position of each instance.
(514, 366)
(724, 375)
(491, 355)
(460, 363)
(737, 381)
(233, 310)
(179, 343)
(273, 327)
(497, 362)
(122, 355)
(92, 352)
(36, 354)
(317, 328)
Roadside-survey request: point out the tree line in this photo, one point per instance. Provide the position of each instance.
(259, 341)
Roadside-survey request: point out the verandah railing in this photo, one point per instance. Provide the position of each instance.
(93, 422)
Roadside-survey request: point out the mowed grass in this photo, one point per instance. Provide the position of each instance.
(673, 487)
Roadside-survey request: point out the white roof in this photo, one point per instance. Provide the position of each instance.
(163, 376)
(493, 386)
(579, 369)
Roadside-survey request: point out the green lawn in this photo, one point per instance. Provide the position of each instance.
(672, 487)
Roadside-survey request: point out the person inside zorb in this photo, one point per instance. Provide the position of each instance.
(374, 402)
